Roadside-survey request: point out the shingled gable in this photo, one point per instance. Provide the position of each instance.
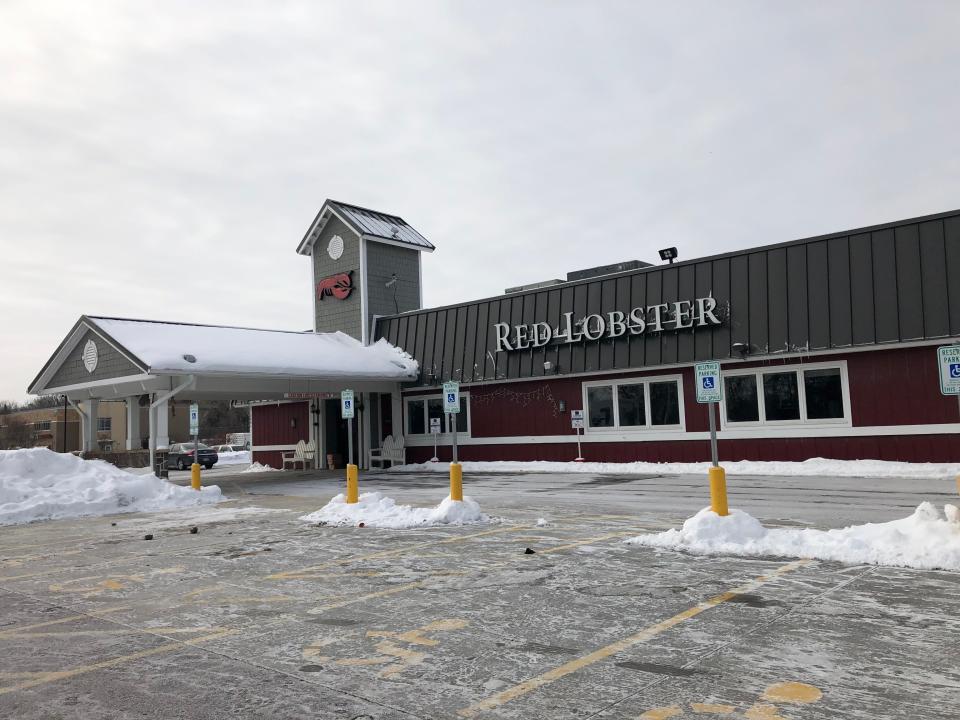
(368, 224)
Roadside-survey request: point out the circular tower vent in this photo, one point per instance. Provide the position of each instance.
(335, 247)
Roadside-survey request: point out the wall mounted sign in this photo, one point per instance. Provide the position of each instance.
(310, 396)
(640, 320)
(90, 356)
(339, 286)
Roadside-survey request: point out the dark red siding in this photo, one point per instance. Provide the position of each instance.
(272, 426)
(906, 448)
(896, 386)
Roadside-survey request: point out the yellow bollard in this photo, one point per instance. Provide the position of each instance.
(195, 476)
(353, 485)
(718, 490)
(456, 481)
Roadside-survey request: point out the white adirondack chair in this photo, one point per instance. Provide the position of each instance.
(391, 450)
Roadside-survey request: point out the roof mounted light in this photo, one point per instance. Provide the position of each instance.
(190, 358)
(669, 254)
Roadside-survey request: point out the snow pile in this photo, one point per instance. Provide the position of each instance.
(814, 467)
(376, 510)
(241, 457)
(257, 467)
(928, 539)
(37, 484)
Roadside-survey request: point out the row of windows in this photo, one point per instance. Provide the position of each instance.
(805, 394)
(420, 410)
(815, 394)
(104, 424)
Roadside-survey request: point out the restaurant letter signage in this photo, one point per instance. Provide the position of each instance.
(654, 318)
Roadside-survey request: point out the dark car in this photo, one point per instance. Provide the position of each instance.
(180, 456)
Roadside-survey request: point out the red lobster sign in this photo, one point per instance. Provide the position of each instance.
(339, 286)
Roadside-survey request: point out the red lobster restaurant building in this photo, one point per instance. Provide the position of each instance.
(827, 347)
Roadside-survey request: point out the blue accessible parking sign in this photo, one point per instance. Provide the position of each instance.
(708, 382)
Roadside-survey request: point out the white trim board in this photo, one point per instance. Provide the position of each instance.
(766, 433)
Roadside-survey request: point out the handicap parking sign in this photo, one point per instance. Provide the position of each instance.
(451, 397)
(948, 358)
(708, 382)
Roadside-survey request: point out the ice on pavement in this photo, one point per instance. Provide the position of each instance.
(376, 510)
(38, 484)
(815, 467)
(257, 467)
(928, 539)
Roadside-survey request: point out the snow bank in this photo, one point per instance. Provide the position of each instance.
(376, 510)
(927, 539)
(257, 467)
(812, 467)
(37, 484)
(241, 457)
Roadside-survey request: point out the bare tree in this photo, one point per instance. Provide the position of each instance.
(15, 433)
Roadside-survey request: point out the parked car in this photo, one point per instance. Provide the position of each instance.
(180, 456)
(229, 448)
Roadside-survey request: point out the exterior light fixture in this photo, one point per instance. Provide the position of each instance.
(741, 349)
(669, 254)
(547, 366)
(190, 358)
(293, 422)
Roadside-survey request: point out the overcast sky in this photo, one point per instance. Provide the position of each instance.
(163, 160)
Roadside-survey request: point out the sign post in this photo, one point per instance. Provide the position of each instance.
(576, 422)
(435, 431)
(195, 431)
(710, 392)
(347, 412)
(948, 358)
(451, 407)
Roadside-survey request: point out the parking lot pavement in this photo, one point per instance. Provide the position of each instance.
(260, 615)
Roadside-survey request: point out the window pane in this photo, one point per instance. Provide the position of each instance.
(415, 418)
(740, 394)
(664, 404)
(600, 406)
(781, 399)
(462, 415)
(630, 402)
(435, 410)
(824, 393)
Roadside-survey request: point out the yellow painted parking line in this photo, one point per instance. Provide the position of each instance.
(53, 676)
(579, 543)
(92, 614)
(115, 631)
(304, 572)
(380, 593)
(568, 668)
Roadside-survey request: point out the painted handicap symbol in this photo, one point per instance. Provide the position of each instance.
(955, 370)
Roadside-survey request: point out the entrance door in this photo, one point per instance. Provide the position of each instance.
(335, 435)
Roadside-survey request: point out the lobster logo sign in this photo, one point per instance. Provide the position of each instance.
(339, 286)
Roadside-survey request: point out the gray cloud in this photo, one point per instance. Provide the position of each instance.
(163, 160)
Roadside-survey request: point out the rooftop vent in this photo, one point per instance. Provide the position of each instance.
(607, 270)
(532, 286)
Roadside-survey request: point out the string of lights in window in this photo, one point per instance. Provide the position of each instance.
(542, 395)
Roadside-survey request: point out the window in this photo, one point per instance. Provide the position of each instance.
(823, 390)
(41, 426)
(630, 403)
(416, 422)
(600, 404)
(633, 404)
(103, 424)
(421, 410)
(741, 398)
(774, 396)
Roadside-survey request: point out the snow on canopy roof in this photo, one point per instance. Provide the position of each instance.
(218, 349)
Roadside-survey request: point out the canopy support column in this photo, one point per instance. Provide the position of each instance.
(133, 423)
(161, 400)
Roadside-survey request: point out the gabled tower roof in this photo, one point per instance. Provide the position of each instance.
(369, 224)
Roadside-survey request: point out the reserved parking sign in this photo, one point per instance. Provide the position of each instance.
(949, 361)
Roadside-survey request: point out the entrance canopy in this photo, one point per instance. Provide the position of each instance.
(108, 358)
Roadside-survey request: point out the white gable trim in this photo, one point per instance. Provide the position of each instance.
(319, 223)
(39, 387)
